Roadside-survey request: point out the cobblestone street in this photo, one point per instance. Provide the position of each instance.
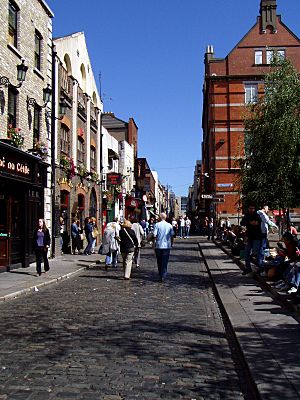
(96, 336)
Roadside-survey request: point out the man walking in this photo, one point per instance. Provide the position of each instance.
(252, 222)
(163, 233)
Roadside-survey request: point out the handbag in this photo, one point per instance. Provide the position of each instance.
(95, 233)
(82, 236)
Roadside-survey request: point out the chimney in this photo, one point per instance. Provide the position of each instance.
(268, 15)
(209, 52)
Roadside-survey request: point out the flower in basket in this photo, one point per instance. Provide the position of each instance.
(67, 164)
(14, 134)
(81, 170)
(41, 148)
(94, 176)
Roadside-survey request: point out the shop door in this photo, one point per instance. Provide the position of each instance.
(11, 246)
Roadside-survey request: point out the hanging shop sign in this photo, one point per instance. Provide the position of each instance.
(133, 203)
(114, 179)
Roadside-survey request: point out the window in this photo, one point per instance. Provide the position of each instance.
(12, 108)
(64, 140)
(251, 93)
(36, 123)
(258, 57)
(37, 51)
(273, 52)
(12, 24)
(80, 149)
(93, 157)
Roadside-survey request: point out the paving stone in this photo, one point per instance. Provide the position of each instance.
(97, 337)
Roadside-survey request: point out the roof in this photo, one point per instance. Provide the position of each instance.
(71, 35)
(109, 121)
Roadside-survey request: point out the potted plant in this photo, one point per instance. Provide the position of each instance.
(67, 165)
(82, 171)
(14, 136)
(40, 149)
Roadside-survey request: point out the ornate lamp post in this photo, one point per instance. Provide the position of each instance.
(21, 75)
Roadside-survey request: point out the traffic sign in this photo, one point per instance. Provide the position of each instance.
(206, 196)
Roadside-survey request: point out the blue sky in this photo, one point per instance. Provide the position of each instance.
(150, 54)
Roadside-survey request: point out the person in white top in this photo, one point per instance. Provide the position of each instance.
(188, 224)
(139, 233)
(163, 233)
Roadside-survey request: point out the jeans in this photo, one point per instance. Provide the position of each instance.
(41, 255)
(187, 232)
(181, 231)
(162, 257)
(253, 247)
(88, 248)
(112, 258)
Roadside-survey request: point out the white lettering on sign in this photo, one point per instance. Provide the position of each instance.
(22, 169)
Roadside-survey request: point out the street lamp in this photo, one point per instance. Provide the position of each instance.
(21, 75)
(62, 111)
(47, 96)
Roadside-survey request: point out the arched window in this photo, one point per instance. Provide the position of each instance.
(83, 78)
(67, 64)
(94, 99)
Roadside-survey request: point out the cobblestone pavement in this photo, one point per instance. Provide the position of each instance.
(97, 336)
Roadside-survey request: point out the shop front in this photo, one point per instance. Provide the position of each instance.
(23, 178)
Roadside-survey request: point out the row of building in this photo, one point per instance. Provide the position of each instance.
(230, 84)
(61, 156)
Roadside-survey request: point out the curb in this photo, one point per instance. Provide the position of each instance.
(31, 289)
(280, 298)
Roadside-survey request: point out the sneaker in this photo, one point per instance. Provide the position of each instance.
(292, 290)
(281, 285)
(284, 288)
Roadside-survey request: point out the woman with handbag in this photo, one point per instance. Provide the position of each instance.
(127, 245)
(139, 233)
(41, 243)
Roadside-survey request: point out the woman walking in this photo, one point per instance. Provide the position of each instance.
(88, 229)
(41, 244)
(128, 243)
(139, 233)
(75, 235)
(110, 245)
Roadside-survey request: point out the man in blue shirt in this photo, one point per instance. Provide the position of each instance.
(163, 233)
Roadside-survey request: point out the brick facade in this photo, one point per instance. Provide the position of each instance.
(224, 107)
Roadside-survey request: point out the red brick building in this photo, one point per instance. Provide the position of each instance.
(231, 83)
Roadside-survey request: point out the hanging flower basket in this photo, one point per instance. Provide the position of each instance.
(67, 165)
(15, 136)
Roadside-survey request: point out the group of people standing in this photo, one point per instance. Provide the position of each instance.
(129, 237)
(90, 232)
(182, 227)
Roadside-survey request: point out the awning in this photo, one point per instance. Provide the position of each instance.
(112, 154)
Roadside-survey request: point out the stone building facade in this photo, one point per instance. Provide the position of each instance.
(25, 178)
(230, 84)
(78, 140)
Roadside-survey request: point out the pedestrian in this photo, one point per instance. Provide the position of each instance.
(163, 233)
(139, 233)
(174, 226)
(266, 223)
(61, 234)
(188, 224)
(252, 221)
(110, 245)
(88, 229)
(95, 234)
(181, 227)
(210, 229)
(127, 246)
(75, 236)
(41, 244)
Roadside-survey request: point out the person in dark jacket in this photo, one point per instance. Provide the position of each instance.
(88, 229)
(127, 246)
(252, 221)
(41, 244)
